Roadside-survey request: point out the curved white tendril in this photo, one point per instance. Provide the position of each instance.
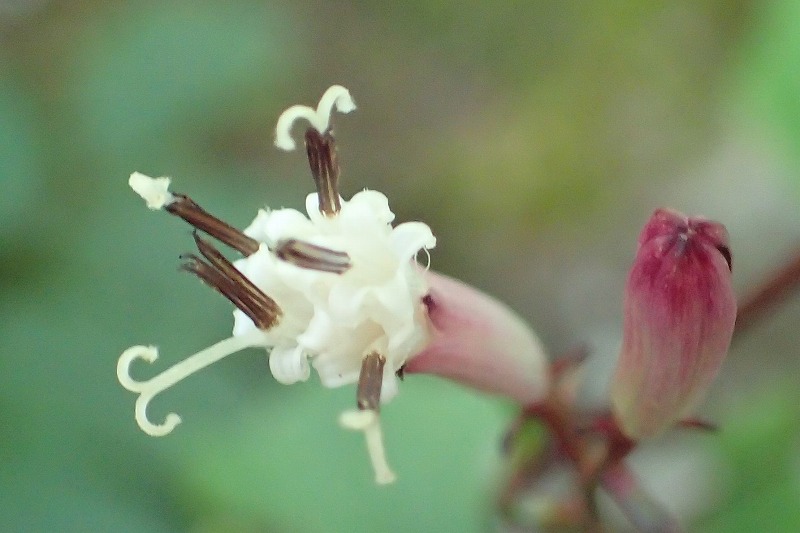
(428, 255)
(154, 191)
(150, 388)
(336, 96)
(369, 422)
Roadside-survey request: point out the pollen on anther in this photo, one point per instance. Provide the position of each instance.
(335, 97)
(154, 191)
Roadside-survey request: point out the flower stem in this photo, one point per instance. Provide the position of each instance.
(773, 290)
(646, 514)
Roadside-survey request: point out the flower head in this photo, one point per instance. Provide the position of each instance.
(333, 319)
(336, 289)
(679, 317)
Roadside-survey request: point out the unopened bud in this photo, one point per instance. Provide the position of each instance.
(679, 317)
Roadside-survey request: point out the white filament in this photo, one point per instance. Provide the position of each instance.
(368, 421)
(319, 118)
(150, 388)
(154, 191)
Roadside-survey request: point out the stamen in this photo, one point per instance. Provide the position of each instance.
(370, 381)
(185, 208)
(366, 419)
(221, 275)
(155, 192)
(369, 423)
(217, 281)
(319, 118)
(149, 389)
(306, 255)
(321, 150)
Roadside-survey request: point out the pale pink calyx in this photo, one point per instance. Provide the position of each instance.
(479, 342)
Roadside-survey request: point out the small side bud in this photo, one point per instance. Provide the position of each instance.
(680, 312)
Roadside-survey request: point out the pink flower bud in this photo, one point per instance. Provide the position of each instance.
(679, 316)
(479, 342)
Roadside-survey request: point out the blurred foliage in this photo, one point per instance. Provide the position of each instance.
(770, 79)
(763, 444)
(533, 136)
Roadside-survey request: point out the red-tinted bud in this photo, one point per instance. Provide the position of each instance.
(679, 317)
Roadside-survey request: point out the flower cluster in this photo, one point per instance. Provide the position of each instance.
(338, 289)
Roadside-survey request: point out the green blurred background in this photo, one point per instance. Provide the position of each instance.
(534, 137)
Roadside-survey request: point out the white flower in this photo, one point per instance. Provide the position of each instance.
(338, 290)
(334, 320)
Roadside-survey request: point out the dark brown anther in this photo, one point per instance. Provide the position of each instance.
(370, 381)
(216, 281)
(321, 150)
(218, 273)
(185, 208)
(313, 257)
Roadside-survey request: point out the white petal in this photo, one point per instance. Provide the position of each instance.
(285, 224)
(312, 208)
(289, 365)
(389, 387)
(411, 237)
(317, 336)
(339, 379)
(256, 228)
(340, 362)
(242, 324)
(258, 268)
(346, 302)
(369, 205)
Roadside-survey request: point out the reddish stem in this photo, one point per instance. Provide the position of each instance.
(647, 515)
(776, 288)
